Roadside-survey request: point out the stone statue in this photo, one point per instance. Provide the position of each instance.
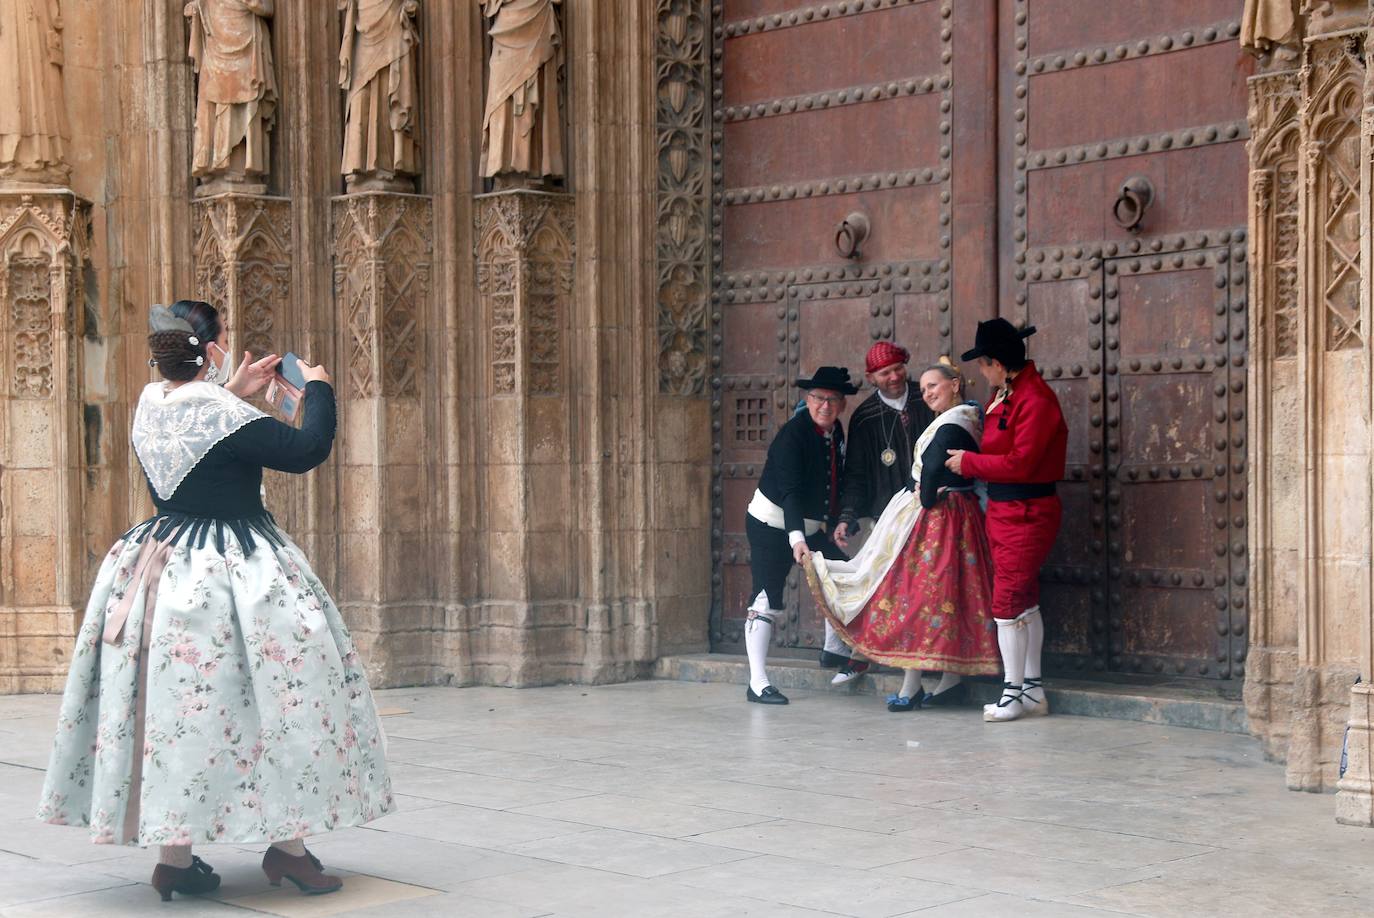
(377, 71)
(236, 97)
(522, 128)
(1271, 29)
(33, 112)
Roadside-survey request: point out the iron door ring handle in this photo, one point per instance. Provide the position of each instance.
(845, 241)
(1135, 209)
(851, 234)
(1136, 196)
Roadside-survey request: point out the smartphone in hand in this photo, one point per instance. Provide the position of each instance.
(286, 391)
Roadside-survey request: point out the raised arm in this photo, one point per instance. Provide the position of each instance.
(271, 444)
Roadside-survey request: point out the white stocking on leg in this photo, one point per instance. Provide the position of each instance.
(1034, 702)
(833, 643)
(1011, 641)
(911, 684)
(758, 633)
(947, 682)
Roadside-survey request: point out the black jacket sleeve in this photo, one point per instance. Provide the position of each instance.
(271, 444)
(934, 475)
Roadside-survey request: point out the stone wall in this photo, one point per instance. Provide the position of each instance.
(519, 492)
(1310, 395)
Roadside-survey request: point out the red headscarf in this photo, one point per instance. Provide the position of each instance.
(885, 354)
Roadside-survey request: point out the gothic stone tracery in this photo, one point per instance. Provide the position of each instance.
(242, 250)
(524, 277)
(383, 247)
(680, 242)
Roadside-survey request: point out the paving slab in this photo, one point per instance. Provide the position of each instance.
(667, 799)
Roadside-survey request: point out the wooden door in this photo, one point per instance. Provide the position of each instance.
(883, 108)
(1141, 328)
(988, 143)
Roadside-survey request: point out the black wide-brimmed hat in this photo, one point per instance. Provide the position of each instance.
(836, 379)
(1000, 340)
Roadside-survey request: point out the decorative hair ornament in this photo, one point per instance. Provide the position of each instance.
(151, 363)
(162, 319)
(193, 341)
(199, 361)
(944, 359)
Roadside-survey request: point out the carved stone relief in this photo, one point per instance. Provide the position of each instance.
(236, 93)
(377, 72)
(1274, 129)
(681, 250)
(33, 119)
(242, 249)
(1331, 148)
(522, 125)
(383, 247)
(43, 240)
(525, 257)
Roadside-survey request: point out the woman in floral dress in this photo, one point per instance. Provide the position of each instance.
(215, 694)
(918, 593)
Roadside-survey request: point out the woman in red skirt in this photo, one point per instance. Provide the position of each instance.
(1022, 456)
(919, 593)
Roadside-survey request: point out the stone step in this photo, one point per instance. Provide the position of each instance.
(1175, 705)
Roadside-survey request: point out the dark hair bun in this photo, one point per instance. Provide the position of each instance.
(173, 353)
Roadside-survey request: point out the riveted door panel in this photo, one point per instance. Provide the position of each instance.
(1173, 386)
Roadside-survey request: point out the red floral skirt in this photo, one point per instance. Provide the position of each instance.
(933, 610)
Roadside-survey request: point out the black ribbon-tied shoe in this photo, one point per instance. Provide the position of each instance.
(769, 695)
(196, 880)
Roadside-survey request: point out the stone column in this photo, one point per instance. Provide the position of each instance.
(43, 246)
(1355, 789)
(525, 253)
(390, 581)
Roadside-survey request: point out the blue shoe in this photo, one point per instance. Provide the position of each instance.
(897, 703)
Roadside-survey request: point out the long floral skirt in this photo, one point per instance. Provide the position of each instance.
(933, 608)
(257, 723)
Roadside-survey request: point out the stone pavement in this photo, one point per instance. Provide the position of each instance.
(658, 799)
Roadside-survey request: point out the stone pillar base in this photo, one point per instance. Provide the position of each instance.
(1355, 791)
(35, 648)
(525, 644)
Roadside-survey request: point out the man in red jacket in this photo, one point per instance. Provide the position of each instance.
(1024, 440)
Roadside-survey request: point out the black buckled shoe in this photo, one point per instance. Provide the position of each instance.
(769, 695)
(832, 660)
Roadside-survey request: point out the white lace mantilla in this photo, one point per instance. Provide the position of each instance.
(175, 428)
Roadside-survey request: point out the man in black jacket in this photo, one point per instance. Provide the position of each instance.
(882, 436)
(793, 509)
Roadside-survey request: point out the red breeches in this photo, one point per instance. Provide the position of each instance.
(1021, 534)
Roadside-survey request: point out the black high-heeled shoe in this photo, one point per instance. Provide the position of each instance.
(196, 880)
